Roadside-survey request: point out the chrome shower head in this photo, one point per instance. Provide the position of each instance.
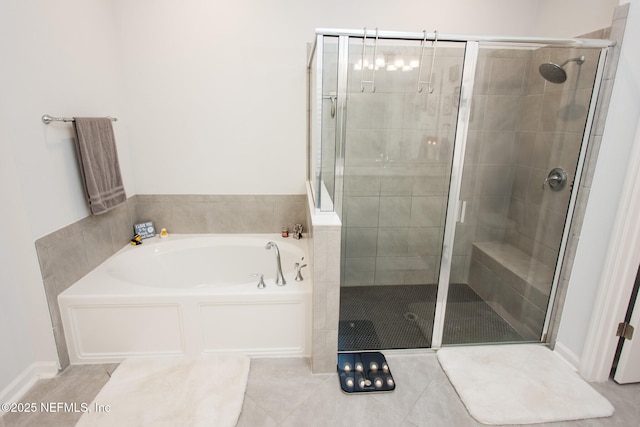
(555, 73)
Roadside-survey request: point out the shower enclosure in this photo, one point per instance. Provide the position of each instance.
(452, 163)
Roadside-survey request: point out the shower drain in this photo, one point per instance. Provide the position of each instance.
(411, 317)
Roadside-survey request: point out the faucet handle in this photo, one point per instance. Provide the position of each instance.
(298, 269)
(261, 284)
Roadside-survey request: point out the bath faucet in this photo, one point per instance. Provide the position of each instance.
(261, 284)
(298, 269)
(279, 277)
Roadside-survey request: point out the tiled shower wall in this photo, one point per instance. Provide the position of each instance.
(397, 167)
(396, 184)
(522, 127)
(68, 254)
(500, 84)
(550, 136)
(396, 181)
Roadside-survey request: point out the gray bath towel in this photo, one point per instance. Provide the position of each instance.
(99, 166)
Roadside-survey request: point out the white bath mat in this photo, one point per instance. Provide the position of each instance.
(520, 384)
(172, 391)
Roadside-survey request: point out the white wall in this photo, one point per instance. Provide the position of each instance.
(217, 89)
(25, 335)
(58, 58)
(624, 113)
(210, 97)
(571, 18)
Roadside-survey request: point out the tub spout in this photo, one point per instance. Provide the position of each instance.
(279, 276)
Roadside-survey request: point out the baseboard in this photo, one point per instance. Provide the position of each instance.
(23, 382)
(567, 355)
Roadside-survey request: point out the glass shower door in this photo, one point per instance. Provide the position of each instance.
(522, 152)
(401, 118)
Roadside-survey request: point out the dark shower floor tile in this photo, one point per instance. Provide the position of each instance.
(401, 316)
(357, 334)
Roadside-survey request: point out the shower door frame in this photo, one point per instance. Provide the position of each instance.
(582, 158)
(454, 204)
(455, 185)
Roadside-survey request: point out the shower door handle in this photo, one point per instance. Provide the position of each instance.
(462, 211)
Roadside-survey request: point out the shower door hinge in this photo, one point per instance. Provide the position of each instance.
(625, 331)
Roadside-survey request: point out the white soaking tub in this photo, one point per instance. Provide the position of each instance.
(190, 294)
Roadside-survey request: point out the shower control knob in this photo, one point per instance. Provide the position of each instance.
(557, 179)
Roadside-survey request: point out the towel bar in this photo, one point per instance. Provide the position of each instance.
(46, 119)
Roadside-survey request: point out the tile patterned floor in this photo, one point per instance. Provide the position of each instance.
(75, 384)
(283, 392)
(401, 316)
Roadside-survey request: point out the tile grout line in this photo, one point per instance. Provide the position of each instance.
(321, 383)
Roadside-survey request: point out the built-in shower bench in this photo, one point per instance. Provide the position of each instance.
(513, 283)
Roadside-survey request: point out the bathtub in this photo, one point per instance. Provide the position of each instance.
(190, 294)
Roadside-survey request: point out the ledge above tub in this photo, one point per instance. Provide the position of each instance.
(319, 218)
